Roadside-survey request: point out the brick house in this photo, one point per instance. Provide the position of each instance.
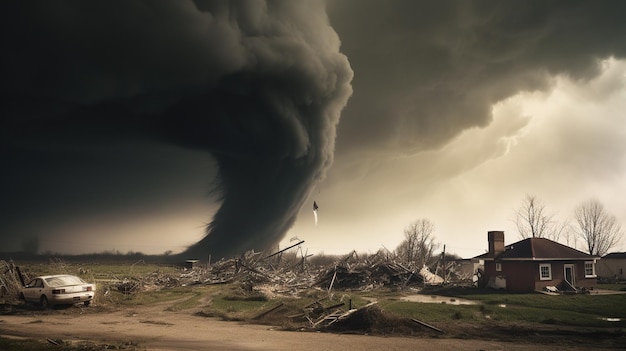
(535, 263)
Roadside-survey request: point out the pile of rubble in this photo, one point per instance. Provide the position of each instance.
(9, 282)
(352, 273)
(284, 273)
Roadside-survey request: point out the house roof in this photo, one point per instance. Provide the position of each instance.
(615, 255)
(538, 249)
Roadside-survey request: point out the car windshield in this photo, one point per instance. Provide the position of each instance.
(64, 280)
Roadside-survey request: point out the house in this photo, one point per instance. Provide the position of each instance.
(534, 264)
(612, 266)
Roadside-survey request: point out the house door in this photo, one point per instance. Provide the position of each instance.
(569, 274)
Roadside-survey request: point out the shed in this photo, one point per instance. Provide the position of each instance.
(192, 263)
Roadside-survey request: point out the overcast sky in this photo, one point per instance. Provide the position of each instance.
(127, 126)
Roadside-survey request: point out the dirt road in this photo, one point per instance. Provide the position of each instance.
(156, 328)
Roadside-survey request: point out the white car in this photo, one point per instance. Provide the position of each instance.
(50, 290)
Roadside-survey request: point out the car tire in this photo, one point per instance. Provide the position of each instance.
(44, 302)
(86, 303)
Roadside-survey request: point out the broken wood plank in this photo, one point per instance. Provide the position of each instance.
(339, 315)
(285, 249)
(315, 303)
(330, 317)
(269, 311)
(330, 288)
(427, 325)
(334, 306)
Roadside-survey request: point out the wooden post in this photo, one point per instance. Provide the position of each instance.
(20, 276)
(444, 264)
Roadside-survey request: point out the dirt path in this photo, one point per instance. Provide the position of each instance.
(155, 328)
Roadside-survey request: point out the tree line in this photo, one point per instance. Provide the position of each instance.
(599, 229)
(593, 224)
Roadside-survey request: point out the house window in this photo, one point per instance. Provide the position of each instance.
(545, 271)
(498, 266)
(590, 269)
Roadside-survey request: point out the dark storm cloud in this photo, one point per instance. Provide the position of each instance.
(427, 70)
(260, 85)
(88, 51)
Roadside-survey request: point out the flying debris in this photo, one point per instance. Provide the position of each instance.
(315, 207)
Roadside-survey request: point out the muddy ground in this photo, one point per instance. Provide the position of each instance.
(155, 327)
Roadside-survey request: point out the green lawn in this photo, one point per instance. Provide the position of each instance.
(616, 287)
(575, 310)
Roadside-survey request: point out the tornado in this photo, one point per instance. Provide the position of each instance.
(260, 85)
(270, 125)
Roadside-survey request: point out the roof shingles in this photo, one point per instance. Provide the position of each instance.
(539, 249)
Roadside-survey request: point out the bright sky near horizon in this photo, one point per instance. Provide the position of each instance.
(564, 145)
(135, 137)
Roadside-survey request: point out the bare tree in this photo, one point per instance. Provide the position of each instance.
(533, 221)
(561, 231)
(419, 244)
(597, 227)
(569, 237)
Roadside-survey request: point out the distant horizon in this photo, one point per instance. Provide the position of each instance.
(180, 255)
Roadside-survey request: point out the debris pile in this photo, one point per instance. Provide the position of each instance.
(287, 274)
(369, 319)
(130, 286)
(10, 284)
(352, 273)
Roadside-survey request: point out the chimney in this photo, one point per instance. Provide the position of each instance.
(496, 242)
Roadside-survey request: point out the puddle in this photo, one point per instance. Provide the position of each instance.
(438, 299)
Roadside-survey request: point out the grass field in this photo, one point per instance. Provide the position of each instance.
(573, 310)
